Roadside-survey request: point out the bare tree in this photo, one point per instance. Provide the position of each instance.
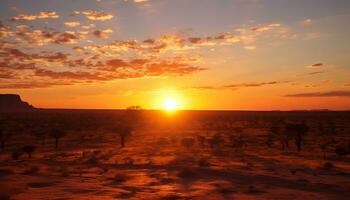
(326, 137)
(128, 123)
(215, 141)
(41, 133)
(342, 150)
(298, 131)
(274, 131)
(57, 134)
(124, 130)
(5, 135)
(201, 140)
(188, 142)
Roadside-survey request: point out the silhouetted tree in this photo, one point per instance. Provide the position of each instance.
(326, 135)
(187, 142)
(29, 149)
(298, 131)
(240, 140)
(4, 137)
(16, 154)
(128, 123)
(342, 150)
(41, 133)
(1, 138)
(274, 131)
(201, 140)
(57, 134)
(215, 141)
(124, 130)
(134, 108)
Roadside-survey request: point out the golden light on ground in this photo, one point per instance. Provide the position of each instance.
(170, 104)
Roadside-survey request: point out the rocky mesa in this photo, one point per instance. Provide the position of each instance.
(13, 102)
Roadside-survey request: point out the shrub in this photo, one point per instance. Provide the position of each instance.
(215, 141)
(203, 162)
(5, 196)
(4, 137)
(342, 150)
(16, 154)
(201, 140)
(328, 166)
(298, 131)
(273, 132)
(29, 149)
(187, 142)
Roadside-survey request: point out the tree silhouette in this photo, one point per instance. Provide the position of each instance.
(273, 132)
(201, 140)
(4, 137)
(29, 149)
(187, 142)
(342, 150)
(57, 134)
(1, 139)
(298, 131)
(124, 130)
(128, 123)
(326, 136)
(215, 141)
(41, 133)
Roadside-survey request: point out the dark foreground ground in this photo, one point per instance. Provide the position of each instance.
(183, 155)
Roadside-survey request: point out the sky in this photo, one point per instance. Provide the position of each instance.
(205, 54)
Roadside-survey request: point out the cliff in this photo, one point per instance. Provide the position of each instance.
(13, 102)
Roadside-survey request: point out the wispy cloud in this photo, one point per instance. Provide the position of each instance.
(40, 15)
(316, 65)
(96, 15)
(239, 85)
(307, 21)
(321, 94)
(72, 24)
(140, 1)
(311, 73)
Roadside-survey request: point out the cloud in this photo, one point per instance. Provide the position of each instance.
(31, 84)
(40, 37)
(310, 73)
(239, 85)
(316, 65)
(307, 21)
(72, 24)
(312, 35)
(321, 94)
(69, 75)
(242, 85)
(140, 1)
(102, 33)
(88, 62)
(20, 67)
(263, 28)
(40, 15)
(97, 15)
(250, 48)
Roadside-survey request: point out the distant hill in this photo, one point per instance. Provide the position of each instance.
(13, 102)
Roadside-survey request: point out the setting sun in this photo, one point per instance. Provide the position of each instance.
(170, 104)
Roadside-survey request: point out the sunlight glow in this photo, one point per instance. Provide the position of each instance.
(170, 104)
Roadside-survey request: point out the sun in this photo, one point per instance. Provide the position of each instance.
(170, 104)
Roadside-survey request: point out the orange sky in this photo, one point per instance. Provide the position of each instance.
(235, 55)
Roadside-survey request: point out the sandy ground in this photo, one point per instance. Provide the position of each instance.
(155, 165)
